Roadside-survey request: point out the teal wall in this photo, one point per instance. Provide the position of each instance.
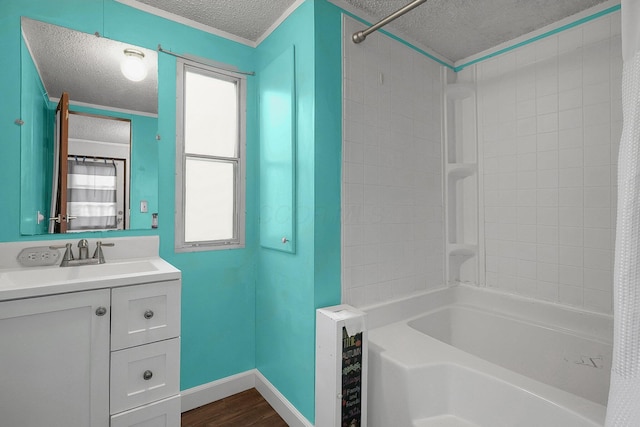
(291, 286)
(242, 308)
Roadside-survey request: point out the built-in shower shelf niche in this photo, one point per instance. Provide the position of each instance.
(461, 183)
(460, 90)
(461, 170)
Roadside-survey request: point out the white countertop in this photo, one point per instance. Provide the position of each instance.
(120, 269)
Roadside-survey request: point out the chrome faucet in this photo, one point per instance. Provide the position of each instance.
(98, 253)
(83, 249)
(69, 260)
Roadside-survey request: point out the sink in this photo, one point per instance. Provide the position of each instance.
(44, 276)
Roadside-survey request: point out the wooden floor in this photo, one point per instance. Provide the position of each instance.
(243, 409)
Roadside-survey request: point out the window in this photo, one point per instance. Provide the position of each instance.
(209, 158)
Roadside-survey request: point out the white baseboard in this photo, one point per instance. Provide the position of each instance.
(282, 406)
(206, 393)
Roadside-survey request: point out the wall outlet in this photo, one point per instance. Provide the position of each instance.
(39, 255)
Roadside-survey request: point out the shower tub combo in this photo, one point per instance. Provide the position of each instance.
(467, 357)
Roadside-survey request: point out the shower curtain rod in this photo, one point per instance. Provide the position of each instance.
(360, 36)
(204, 61)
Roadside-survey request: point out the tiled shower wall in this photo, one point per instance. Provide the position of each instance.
(392, 220)
(550, 120)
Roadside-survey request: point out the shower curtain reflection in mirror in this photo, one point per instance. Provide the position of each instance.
(90, 172)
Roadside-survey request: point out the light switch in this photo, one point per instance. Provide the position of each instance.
(144, 206)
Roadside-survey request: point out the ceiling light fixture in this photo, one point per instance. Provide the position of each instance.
(132, 66)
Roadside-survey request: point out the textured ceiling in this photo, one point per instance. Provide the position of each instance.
(247, 19)
(455, 29)
(88, 68)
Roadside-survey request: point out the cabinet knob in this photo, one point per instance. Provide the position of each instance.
(101, 311)
(147, 375)
(285, 240)
(148, 314)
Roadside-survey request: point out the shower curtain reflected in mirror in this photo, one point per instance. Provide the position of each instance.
(92, 194)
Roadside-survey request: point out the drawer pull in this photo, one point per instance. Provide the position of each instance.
(147, 375)
(148, 314)
(101, 311)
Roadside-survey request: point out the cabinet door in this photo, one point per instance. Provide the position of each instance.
(54, 360)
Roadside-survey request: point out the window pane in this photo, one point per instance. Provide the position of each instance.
(210, 116)
(209, 200)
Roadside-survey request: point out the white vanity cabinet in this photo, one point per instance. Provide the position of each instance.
(98, 358)
(54, 360)
(145, 355)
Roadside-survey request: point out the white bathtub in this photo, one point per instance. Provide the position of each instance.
(468, 357)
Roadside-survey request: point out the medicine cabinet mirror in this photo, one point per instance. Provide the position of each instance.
(111, 125)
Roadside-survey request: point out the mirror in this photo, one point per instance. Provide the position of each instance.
(57, 60)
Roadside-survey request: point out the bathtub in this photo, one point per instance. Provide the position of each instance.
(470, 357)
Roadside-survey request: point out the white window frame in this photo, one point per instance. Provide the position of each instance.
(238, 241)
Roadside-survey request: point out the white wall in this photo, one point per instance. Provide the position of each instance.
(392, 220)
(549, 125)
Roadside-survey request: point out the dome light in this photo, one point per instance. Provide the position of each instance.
(132, 66)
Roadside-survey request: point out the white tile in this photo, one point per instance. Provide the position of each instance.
(527, 179)
(526, 251)
(571, 236)
(570, 295)
(597, 135)
(596, 93)
(597, 114)
(547, 123)
(527, 197)
(547, 254)
(547, 178)
(570, 99)
(570, 275)
(527, 216)
(526, 126)
(597, 197)
(508, 267)
(597, 217)
(569, 119)
(596, 30)
(549, 104)
(547, 216)
(598, 300)
(527, 233)
(524, 109)
(598, 258)
(547, 197)
(570, 138)
(547, 235)
(546, 84)
(527, 162)
(547, 141)
(598, 279)
(570, 39)
(526, 269)
(571, 158)
(547, 272)
(569, 78)
(571, 216)
(571, 196)
(569, 255)
(599, 238)
(526, 144)
(547, 160)
(572, 177)
(548, 291)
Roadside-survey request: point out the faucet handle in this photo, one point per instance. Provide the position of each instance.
(98, 253)
(68, 253)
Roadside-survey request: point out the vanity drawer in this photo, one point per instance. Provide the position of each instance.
(144, 313)
(144, 374)
(164, 413)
